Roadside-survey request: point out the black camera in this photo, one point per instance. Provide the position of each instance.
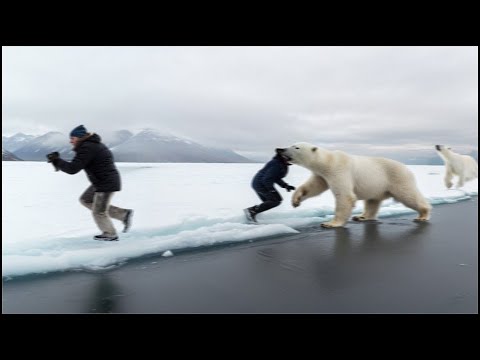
(52, 156)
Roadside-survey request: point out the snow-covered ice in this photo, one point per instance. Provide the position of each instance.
(177, 206)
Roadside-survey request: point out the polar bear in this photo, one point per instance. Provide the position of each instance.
(464, 166)
(352, 178)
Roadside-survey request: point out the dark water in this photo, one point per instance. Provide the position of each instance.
(390, 266)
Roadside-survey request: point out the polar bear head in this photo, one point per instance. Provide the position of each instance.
(444, 152)
(301, 153)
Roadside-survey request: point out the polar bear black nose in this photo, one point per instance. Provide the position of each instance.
(279, 151)
(437, 147)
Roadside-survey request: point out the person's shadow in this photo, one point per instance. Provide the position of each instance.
(105, 295)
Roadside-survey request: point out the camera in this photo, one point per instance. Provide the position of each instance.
(52, 156)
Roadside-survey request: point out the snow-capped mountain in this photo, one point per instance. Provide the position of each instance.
(151, 145)
(15, 142)
(8, 156)
(39, 147)
(116, 138)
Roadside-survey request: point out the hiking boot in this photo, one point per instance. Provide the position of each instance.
(104, 237)
(128, 220)
(250, 215)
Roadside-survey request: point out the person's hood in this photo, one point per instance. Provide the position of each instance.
(89, 137)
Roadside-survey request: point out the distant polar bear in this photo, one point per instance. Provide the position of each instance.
(353, 178)
(463, 166)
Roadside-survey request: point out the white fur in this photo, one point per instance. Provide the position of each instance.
(463, 166)
(353, 178)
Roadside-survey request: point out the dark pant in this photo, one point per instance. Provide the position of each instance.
(270, 198)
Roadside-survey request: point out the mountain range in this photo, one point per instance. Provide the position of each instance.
(8, 156)
(149, 145)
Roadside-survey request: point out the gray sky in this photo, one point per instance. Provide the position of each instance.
(250, 99)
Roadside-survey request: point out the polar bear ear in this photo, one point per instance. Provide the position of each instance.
(314, 149)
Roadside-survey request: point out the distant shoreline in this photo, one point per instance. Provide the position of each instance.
(203, 162)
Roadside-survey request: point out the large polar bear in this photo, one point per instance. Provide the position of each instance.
(353, 178)
(464, 166)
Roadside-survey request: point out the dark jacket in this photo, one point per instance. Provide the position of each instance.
(271, 173)
(97, 161)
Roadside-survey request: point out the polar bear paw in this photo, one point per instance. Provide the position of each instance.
(331, 224)
(359, 218)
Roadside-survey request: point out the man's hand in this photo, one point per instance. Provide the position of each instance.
(290, 187)
(53, 156)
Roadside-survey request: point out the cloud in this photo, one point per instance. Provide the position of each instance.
(250, 99)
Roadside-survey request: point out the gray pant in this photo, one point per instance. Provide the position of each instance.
(99, 203)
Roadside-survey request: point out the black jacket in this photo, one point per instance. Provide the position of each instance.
(271, 173)
(97, 161)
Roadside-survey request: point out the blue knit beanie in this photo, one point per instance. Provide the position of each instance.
(79, 131)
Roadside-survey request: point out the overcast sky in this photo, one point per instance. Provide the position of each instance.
(250, 99)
